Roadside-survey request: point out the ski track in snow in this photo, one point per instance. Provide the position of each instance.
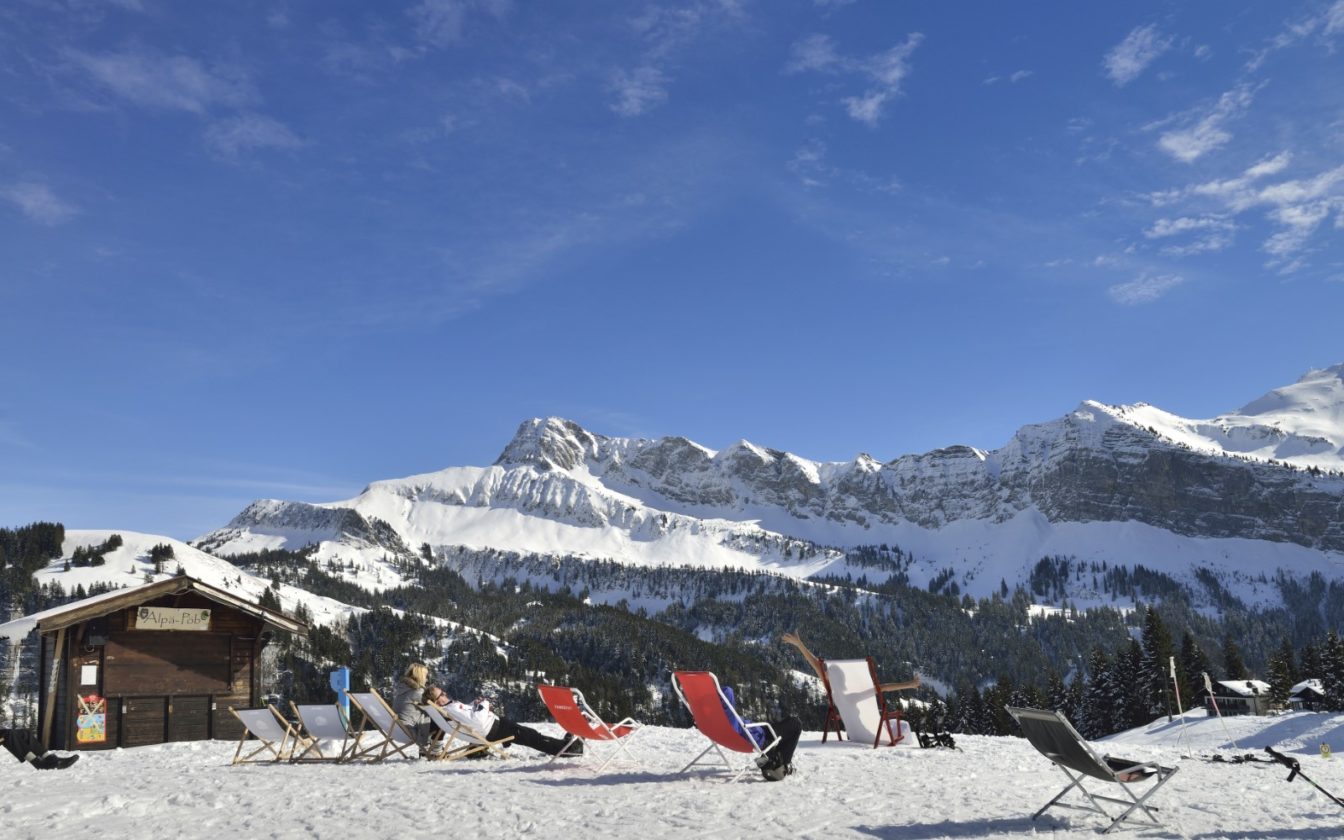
(987, 788)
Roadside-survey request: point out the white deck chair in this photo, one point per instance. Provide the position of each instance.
(394, 740)
(277, 738)
(1055, 738)
(461, 736)
(857, 696)
(329, 738)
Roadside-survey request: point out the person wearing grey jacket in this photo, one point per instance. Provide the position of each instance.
(410, 692)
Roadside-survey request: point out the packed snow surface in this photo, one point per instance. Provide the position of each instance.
(989, 787)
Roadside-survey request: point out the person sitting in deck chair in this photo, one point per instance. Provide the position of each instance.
(24, 747)
(496, 727)
(797, 641)
(412, 689)
(777, 763)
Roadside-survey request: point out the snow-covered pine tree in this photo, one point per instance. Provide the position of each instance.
(1332, 672)
(1282, 672)
(1155, 682)
(1097, 716)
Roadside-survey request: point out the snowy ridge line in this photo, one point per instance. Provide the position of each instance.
(1081, 485)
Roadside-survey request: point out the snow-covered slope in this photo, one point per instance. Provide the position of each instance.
(130, 565)
(987, 788)
(1301, 424)
(1114, 484)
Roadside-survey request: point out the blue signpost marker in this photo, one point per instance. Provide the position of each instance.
(340, 683)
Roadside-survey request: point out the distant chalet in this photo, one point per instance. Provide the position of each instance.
(154, 663)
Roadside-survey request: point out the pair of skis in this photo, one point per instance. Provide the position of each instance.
(1287, 761)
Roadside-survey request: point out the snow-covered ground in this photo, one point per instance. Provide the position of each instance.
(987, 788)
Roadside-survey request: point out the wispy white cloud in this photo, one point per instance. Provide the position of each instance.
(1204, 129)
(1209, 234)
(814, 52)
(1145, 288)
(886, 71)
(151, 80)
(230, 137)
(1298, 206)
(1328, 22)
(813, 169)
(638, 90)
(39, 203)
(664, 32)
(439, 23)
(1013, 78)
(1128, 59)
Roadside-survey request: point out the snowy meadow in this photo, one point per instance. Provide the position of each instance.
(988, 787)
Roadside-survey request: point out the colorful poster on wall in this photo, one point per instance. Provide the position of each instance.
(91, 724)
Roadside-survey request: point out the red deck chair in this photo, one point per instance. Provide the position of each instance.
(574, 715)
(856, 698)
(715, 718)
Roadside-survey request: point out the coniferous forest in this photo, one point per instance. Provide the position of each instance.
(532, 619)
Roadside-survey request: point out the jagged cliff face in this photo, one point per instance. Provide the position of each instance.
(1272, 472)
(1093, 465)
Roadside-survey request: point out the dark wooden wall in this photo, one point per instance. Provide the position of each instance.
(161, 685)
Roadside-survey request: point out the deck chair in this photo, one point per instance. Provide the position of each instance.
(461, 736)
(718, 721)
(1055, 738)
(576, 717)
(277, 738)
(390, 739)
(329, 739)
(857, 699)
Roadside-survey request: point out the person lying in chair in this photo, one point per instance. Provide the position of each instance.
(496, 727)
(778, 762)
(797, 641)
(24, 747)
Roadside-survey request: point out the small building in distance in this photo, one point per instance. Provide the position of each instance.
(149, 664)
(1238, 697)
(1307, 696)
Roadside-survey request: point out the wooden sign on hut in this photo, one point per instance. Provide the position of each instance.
(154, 663)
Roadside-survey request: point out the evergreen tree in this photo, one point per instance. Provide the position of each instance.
(1155, 671)
(1097, 717)
(1282, 672)
(1193, 665)
(1309, 667)
(1129, 700)
(1332, 672)
(1233, 666)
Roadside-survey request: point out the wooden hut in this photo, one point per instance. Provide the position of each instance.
(1237, 697)
(154, 663)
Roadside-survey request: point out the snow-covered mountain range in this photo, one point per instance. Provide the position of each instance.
(1243, 494)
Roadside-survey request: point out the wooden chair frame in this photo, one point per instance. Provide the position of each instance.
(395, 740)
(835, 714)
(317, 728)
(457, 728)
(256, 722)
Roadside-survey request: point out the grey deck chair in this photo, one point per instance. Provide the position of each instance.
(1055, 738)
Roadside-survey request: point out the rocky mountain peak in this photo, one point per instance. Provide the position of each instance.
(549, 443)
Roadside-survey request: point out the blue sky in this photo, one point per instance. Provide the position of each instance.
(282, 249)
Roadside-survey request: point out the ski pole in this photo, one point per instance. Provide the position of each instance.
(1180, 736)
(1208, 686)
(1296, 768)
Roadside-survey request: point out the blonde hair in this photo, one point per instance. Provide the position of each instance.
(417, 674)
